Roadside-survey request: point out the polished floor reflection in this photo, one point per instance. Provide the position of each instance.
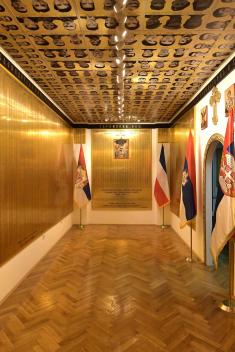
(116, 288)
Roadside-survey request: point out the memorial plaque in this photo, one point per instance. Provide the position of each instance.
(122, 169)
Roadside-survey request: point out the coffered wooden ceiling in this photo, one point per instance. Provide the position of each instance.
(137, 62)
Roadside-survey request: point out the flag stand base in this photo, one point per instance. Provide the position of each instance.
(228, 306)
(190, 258)
(81, 226)
(163, 225)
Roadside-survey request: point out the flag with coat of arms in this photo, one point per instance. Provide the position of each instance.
(82, 192)
(188, 200)
(224, 223)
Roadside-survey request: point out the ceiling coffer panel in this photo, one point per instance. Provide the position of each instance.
(119, 61)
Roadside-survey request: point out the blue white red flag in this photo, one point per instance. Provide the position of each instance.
(188, 201)
(82, 192)
(161, 188)
(224, 224)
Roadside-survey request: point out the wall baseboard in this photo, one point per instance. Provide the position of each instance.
(184, 234)
(15, 270)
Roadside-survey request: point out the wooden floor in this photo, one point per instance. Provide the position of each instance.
(115, 289)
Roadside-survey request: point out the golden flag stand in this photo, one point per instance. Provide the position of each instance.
(163, 225)
(80, 224)
(190, 258)
(228, 305)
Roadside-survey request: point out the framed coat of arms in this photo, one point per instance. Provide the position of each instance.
(229, 97)
(204, 117)
(121, 148)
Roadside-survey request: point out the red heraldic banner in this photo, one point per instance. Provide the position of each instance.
(188, 201)
(223, 227)
(161, 188)
(82, 193)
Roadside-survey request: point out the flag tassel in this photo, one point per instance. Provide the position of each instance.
(228, 305)
(190, 258)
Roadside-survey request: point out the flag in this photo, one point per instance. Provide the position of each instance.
(161, 188)
(188, 201)
(82, 193)
(224, 219)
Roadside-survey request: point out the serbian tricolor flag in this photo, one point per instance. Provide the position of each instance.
(82, 193)
(223, 226)
(188, 201)
(161, 188)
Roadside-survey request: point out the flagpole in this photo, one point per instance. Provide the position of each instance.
(163, 225)
(81, 225)
(190, 258)
(228, 305)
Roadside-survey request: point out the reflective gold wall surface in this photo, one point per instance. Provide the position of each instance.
(178, 137)
(79, 135)
(122, 183)
(35, 167)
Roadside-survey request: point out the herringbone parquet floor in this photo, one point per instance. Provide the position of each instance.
(115, 289)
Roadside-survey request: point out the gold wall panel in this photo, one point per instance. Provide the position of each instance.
(79, 135)
(163, 135)
(35, 167)
(178, 137)
(122, 183)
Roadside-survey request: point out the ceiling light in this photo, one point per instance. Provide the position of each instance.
(118, 61)
(116, 38)
(124, 2)
(124, 34)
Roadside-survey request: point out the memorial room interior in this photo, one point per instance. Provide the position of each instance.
(103, 90)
